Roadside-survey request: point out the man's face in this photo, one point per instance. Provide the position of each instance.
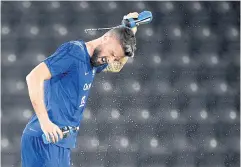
(109, 51)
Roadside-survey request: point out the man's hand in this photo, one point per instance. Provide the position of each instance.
(116, 66)
(132, 15)
(51, 131)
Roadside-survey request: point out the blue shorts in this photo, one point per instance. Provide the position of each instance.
(34, 153)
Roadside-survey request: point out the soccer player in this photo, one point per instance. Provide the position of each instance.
(58, 89)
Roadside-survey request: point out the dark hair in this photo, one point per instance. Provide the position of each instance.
(127, 39)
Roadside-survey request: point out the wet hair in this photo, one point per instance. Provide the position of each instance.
(126, 38)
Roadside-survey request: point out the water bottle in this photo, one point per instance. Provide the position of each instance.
(67, 131)
(144, 17)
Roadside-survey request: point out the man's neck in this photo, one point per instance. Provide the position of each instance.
(91, 45)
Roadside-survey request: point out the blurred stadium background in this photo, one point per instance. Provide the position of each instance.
(176, 104)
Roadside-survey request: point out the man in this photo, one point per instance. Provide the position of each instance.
(58, 89)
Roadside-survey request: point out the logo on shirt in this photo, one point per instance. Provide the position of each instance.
(82, 104)
(93, 72)
(87, 86)
(86, 73)
(33, 130)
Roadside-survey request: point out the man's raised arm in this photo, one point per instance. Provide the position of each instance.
(117, 66)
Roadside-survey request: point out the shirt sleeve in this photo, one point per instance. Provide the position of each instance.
(61, 60)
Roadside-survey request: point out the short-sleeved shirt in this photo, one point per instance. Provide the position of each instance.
(66, 93)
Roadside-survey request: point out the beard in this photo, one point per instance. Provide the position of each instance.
(94, 59)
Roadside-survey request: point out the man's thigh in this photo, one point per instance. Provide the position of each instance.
(35, 153)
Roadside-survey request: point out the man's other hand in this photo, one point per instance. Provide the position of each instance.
(132, 15)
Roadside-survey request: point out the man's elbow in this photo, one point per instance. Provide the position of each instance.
(30, 79)
(27, 78)
(40, 72)
(33, 77)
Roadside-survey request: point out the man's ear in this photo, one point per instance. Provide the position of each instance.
(104, 39)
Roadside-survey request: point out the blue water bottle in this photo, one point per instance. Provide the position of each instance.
(67, 131)
(144, 17)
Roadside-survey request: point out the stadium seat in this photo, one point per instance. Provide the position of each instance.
(15, 86)
(16, 113)
(121, 159)
(231, 57)
(10, 159)
(215, 160)
(85, 159)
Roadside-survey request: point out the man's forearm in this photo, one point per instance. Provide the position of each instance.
(36, 94)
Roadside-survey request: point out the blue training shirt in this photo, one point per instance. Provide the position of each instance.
(66, 93)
